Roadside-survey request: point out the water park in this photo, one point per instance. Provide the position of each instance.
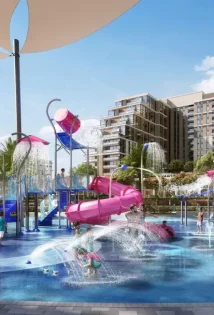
(128, 235)
(72, 241)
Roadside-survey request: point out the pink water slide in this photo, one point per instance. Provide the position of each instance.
(98, 210)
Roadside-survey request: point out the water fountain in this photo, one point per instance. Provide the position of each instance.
(61, 255)
(155, 157)
(36, 168)
(193, 188)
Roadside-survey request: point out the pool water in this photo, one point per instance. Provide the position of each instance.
(170, 272)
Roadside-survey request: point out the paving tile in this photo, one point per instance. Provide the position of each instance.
(185, 313)
(165, 313)
(46, 308)
(53, 313)
(65, 309)
(100, 309)
(90, 313)
(110, 312)
(127, 313)
(16, 311)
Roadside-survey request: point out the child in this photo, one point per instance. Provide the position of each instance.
(89, 240)
(200, 220)
(92, 261)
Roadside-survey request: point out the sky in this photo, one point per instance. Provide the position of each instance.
(163, 47)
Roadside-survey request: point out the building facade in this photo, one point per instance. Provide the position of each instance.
(182, 125)
(198, 110)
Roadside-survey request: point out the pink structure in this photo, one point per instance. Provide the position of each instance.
(67, 121)
(102, 209)
(156, 229)
(210, 173)
(34, 139)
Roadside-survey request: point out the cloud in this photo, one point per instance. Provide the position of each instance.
(207, 68)
(4, 138)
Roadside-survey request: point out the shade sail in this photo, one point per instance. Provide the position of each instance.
(34, 139)
(3, 55)
(56, 23)
(6, 11)
(65, 140)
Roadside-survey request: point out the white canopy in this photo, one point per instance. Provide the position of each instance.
(56, 23)
(6, 11)
(3, 55)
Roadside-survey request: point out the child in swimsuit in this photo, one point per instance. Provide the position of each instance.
(92, 261)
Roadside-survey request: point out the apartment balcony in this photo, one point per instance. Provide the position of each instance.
(113, 142)
(92, 160)
(114, 158)
(110, 166)
(112, 136)
(111, 151)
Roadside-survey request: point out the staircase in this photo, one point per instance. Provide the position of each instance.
(47, 221)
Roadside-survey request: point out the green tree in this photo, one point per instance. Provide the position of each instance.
(176, 166)
(134, 157)
(81, 169)
(205, 163)
(127, 177)
(8, 150)
(189, 166)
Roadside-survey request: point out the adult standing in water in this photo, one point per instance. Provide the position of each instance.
(145, 213)
(134, 218)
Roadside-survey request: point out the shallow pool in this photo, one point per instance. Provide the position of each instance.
(178, 271)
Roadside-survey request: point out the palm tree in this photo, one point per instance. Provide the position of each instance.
(8, 149)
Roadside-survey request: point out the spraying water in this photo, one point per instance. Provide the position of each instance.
(155, 157)
(36, 169)
(188, 189)
(89, 133)
(133, 248)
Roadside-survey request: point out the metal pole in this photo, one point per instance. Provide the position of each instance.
(185, 209)
(87, 166)
(27, 212)
(59, 210)
(141, 171)
(3, 175)
(182, 222)
(208, 205)
(110, 181)
(36, 213)
(55, 153)
(71, 156)
(71, 165)
(17, 88)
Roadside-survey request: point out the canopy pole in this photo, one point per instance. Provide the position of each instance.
(17, 87)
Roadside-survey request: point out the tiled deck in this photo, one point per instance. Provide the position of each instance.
(52, 308)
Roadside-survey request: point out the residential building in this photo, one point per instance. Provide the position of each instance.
(134, 120)
(182, 125)
(198, 109)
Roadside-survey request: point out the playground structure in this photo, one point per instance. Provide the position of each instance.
(32, 177)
